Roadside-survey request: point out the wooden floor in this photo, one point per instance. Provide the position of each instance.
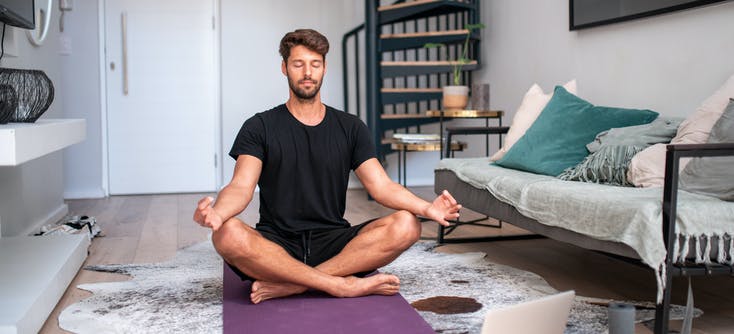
(140, 229)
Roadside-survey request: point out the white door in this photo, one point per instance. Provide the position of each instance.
(162, 104)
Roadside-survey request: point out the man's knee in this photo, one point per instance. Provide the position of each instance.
(406, 227)
(232, 240)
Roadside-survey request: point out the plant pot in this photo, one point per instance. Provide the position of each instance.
(455, 97)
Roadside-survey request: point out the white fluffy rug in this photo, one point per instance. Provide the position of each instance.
(425, 273)
(185, 294)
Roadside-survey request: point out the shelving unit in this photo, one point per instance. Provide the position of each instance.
(36, 270)
(403, 78)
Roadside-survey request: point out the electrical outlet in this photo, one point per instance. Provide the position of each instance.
(66, 5)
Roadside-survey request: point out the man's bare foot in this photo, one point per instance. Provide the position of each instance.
(380, 284)
(262, 291)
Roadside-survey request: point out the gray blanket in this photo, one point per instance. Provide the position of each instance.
(632, 216)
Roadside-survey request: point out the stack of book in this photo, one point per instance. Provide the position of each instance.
(416, 138)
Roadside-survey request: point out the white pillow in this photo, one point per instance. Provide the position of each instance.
(530, 107)
(647, 168)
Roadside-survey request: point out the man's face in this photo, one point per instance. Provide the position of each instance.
(304, 69)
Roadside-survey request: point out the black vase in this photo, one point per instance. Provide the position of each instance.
(34, 89)
(8, 103)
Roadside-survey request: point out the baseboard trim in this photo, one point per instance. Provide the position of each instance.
(84, 194)
(53, 216)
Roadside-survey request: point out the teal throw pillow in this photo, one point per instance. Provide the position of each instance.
(557, 139)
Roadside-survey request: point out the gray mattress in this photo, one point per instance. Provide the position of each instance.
(483, 202)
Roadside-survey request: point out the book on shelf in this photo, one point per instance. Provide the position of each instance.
(416, 138)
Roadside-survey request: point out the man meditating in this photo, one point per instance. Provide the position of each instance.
(300, 154)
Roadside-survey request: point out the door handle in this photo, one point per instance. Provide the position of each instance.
(124, 53)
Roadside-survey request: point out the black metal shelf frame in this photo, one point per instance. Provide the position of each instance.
(393, 34)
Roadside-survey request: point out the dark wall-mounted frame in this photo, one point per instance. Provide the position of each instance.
(591, 13)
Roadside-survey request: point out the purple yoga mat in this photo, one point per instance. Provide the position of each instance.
(315, 312)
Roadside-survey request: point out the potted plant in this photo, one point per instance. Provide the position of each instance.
(456, 96)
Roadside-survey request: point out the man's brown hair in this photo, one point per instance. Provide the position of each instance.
(311, 39)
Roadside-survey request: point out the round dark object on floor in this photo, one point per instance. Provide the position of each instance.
(447, 305)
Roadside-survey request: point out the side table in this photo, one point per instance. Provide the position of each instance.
(475, 130)
(459, 113)
(403, 148)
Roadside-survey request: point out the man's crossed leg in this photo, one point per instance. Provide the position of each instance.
(278, 274)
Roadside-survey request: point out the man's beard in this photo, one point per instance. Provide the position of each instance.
(303, 94)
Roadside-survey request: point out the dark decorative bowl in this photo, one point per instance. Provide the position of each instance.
(8, 103)
(34, 90)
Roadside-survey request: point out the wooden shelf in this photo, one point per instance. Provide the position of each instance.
(405, 4)
(21, 142)
(419, 9)
(411, 90)
(460, 32)
(404, 116)
(391, 69)
(417, 40)
(450, 113)
(458, 113)
(428, 146)
(426, 63)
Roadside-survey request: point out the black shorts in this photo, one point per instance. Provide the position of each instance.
(310, 247)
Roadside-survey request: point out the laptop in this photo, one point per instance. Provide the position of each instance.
(546, 315)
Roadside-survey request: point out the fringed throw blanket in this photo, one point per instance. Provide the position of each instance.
(632, 216)
(608, 165)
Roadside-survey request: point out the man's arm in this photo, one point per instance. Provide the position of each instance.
(395, 196)
(234, 197)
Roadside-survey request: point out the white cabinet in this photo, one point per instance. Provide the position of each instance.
(34, 271)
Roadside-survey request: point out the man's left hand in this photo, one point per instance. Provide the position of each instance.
(443, 208)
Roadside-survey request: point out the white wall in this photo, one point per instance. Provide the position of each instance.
(83, 162)
(668, 63)
(32, 193)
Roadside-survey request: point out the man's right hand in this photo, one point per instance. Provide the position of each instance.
(206, 216)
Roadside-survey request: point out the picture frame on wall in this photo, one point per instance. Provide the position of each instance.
(592, 13)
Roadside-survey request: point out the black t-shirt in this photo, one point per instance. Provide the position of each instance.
(305, 171)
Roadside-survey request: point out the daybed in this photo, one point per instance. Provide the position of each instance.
(550, 142)
(626, 221)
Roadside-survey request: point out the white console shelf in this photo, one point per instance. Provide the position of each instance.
(35, 271)
(20, 142)
(35, 274)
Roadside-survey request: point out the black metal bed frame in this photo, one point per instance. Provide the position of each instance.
(670, 200)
